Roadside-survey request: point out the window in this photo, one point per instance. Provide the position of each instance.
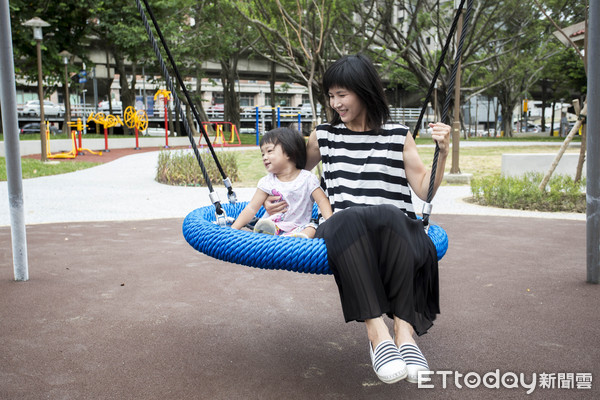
(282, 100)
(218, 98)
(247, 100)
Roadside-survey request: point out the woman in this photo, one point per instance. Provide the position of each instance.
(382, 260)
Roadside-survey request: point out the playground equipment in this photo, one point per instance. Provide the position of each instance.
(137, 119)
(262, 113)
(220, 133)
(75, 150)
(107, 121)
(166, 96)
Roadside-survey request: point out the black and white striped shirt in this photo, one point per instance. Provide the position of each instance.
(364, 168)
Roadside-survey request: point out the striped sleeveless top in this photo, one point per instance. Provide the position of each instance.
(364, 168)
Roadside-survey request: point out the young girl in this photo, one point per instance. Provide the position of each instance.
(284, 155)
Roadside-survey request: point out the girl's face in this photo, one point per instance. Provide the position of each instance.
(274, 158)
(350, 107)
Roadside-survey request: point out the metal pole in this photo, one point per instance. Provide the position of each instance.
(144, 90)
(257, 127)
(43, 138)
(8, 102)
(67, 129)
(84, 114)
(593, 146)
(278, 117)
(95, 87)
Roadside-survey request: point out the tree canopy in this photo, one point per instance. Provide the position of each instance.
(508, 52)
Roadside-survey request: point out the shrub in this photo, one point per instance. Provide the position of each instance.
(181, 168)
(561, 194)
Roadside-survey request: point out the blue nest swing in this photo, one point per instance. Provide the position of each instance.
(267, 251)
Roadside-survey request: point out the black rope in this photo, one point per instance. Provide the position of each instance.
(179, 110)
(451, 83)
(439, 67)
(226, 181)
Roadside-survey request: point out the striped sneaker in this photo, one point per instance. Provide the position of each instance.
(415, 361)
(387, 362)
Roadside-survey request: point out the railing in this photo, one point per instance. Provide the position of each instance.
(287, 115)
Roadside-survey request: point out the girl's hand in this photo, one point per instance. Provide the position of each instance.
(274, 205)
(440, 133)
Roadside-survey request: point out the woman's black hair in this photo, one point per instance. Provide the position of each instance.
(357, 74)
(291, 141)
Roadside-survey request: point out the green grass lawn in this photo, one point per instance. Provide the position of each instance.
(32, 168)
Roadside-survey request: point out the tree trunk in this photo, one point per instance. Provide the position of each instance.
(544, 96)
(109, 84)
(228, 79)
(582, 151)
(563, 148)
(273, 97)
(197, 97)
(127, 90)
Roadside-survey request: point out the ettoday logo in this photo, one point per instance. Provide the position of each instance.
(508, 380)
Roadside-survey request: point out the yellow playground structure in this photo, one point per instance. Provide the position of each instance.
(75, 150)
(221, 128)
(137, 119)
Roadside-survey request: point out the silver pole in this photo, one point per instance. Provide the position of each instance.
(593, 145)
(10, 125)
(95, 87)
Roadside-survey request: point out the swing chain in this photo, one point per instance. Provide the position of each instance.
(230, 193)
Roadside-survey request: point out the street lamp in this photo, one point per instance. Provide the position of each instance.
(37, 24)
(66, 56)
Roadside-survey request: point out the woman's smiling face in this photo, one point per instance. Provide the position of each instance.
(350, 107)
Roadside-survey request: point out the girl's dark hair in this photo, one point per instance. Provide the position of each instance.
(291, 141)
(357, 73)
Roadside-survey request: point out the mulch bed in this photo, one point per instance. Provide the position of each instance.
(113, 154)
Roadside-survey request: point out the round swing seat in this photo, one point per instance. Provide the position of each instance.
(267, 251)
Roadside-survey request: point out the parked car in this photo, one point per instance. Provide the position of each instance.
(117, 107)
(529, 128)
(32, 108)
(34, 127)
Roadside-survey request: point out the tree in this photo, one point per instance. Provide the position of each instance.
(528, 48)
(122, 33)
(301, 36)
(207, 34)
(67, 31)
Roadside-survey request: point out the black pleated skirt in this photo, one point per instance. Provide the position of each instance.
(383, 263)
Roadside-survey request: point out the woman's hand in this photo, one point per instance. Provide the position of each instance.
(274, 205)
(440, 133)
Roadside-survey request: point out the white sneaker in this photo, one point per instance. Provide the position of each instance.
(387, 362)
(415, 361)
